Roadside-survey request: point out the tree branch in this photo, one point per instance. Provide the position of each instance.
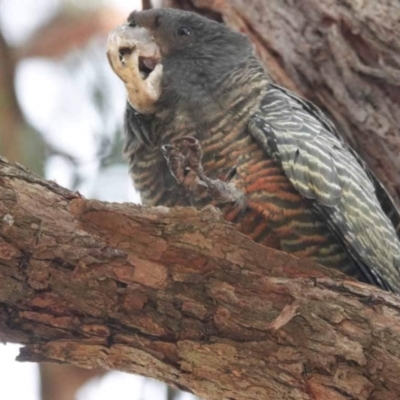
(181, 296)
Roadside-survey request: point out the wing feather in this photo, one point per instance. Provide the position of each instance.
(333, 178)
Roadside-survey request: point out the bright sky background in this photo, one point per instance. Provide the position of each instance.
(46, 94)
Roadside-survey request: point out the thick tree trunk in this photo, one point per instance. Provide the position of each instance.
(181, 296)
(342, 54)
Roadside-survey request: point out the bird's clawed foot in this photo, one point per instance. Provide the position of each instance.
(184, 158)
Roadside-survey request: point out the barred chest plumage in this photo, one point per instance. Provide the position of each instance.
(274, 214)
(218, 120)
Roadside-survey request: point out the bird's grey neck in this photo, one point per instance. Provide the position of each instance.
(204, 107)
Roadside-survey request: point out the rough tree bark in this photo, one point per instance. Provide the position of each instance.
(181, 296)
(342, 54)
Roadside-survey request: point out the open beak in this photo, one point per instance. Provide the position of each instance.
(135, 57)
(125, 40)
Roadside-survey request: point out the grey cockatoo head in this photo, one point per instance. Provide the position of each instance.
(182, 55)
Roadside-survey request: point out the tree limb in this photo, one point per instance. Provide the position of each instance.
(181, 296)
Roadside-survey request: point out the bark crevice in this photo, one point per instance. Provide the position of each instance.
(180, 295)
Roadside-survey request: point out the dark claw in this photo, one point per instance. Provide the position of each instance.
(166, 148)
(231, 173)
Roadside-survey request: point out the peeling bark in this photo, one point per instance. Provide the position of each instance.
(341, 54)
(181, 296)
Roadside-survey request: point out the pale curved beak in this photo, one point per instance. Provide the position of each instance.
(124, 40)
(135, 57)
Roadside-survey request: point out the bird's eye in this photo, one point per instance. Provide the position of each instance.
(132, 23)
(184, 31)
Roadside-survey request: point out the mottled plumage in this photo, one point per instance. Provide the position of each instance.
(324, 171)
(304, 191)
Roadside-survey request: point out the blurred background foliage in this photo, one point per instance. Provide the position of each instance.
(61, 114)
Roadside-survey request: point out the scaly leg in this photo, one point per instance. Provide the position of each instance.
(184, 158)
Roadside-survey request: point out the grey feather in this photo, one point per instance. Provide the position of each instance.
(329, 174)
